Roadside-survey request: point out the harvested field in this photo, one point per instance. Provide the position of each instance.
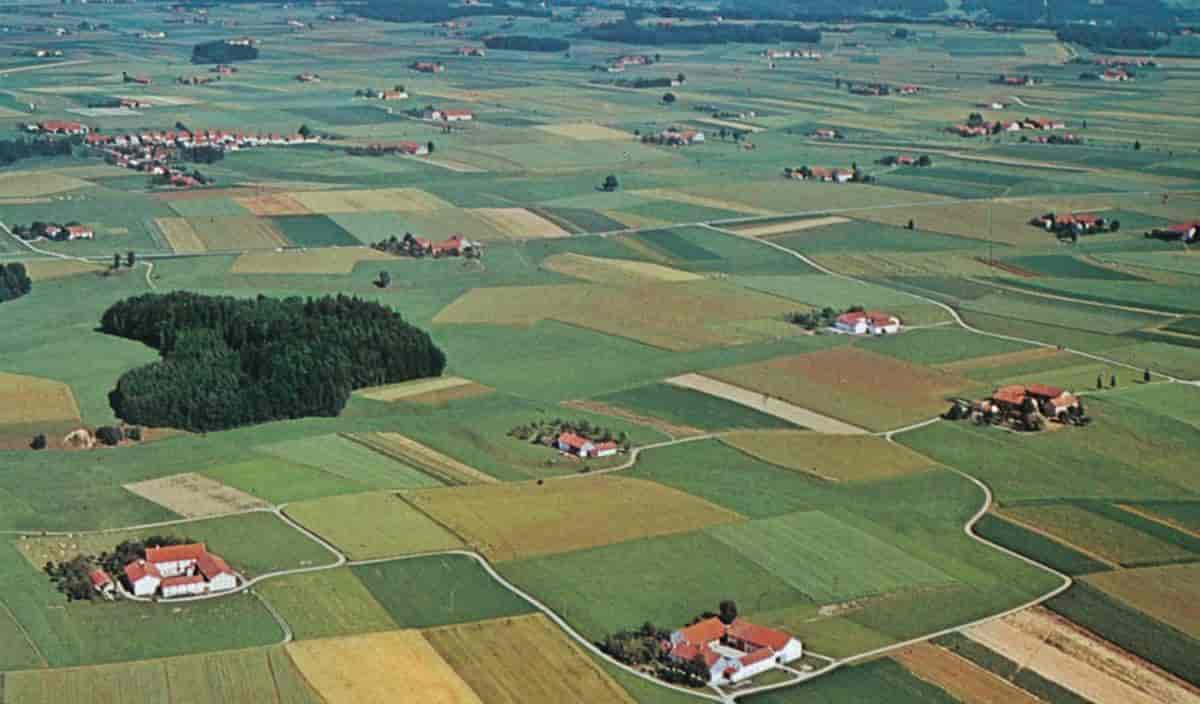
(523, 659)
(834, 457)
(31, 399)
(29, 184)
(675, 316)
(373, 525)
(1096, 534)
(193, 495)
(409, 200)
(273, 204)
(427, 459)
(1166, 593)
(180, 235)
(673, 429)
(961, 678)
(519, 223)
(614, 271)
(852, 384)
(764, 403)
(50, 269)
(518, 520)
(235, 232)
(1063, 653)
(325, 260)
(586, 132)
(401, 391)
(373, 668)
(781, 228)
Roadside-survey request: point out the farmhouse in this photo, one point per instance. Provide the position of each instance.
(61, 127)
(819, 173)
(308, 77)
(909, 89)
(394, 94)
(675, 137)
(404, 147)
(179, 570)
(443, 115)
(826, 133)
(140, 80)
(470, 51)
(1185, 231)
(1116, 74)
(1051, 401)
(807, 54)
(102, 583)
(428, 66)
(575, 444)
(79, 232)
(867, 323)
(1083, 223)
(735, 652)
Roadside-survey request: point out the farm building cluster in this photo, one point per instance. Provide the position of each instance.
(179, 570)
(733, 652)
(819, 173)
(867, 322)
(51, 231)
(976, 126)
(411, 245)
(1023, 407)
(1075, 223)
(432, 114)
(675, 137)
(1183, 231)
(580, 438)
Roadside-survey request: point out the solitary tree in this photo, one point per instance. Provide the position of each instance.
(1146, 375)
(116, 260)
(430, 146)
(304, 131)
(681, 78)
(912, 225)
(1112, 382)
(924, 160)
(668, 98)
(39, 442)
(1099, 381)
(728, 611)
(611, 183)
(130, 259)
(384, 280)
(1137, 145)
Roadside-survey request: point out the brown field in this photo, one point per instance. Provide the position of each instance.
(675, 316)
(379, 668)
(401, 391)
(516, 520)
(236, 232)
(851, 384)
(272, 204)
(836, 457)
(961, 678)
(522, 660)
(49, 269)
(781, 228)
(28, 184)
(31, 399)
(703, 201)
(618, 272)
(326, 260)
(765, 404)
(192, 495)
(519, 223)
(1070, 656)
(1167, 593)
(441, 398)
(587, 132)
(427, 459)
(1000, 360)
(411, 200)
(180, 235)
(669, 428)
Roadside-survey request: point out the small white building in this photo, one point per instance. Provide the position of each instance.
(143, 577)
(183, 586)
(867, 323)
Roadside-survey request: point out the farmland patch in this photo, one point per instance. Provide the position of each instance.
(50, 269)
(516, 520)
(613, 271)
(404, 390)
(193, 495)
(961, 678)
(411, 200)
(1166, 593)
(373, 525)
(231, 232)
(523, 659)
(519, 223)
(350, 460)
(313, 231)
(764, 403)
(29, 184)
(437, 465)
(328, 260)
(273, 204)
(689, 409)
(30, 399)
(785, 226)
(180, 235)
(1098, 534)
(836, 457)
(586, 132)
(326, 604)
(374, 667)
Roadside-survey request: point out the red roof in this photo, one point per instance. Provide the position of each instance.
(1044, 390)
(872, 316)
(138, 569)
(1183, 228)
(573, 441)
(1013, 395)
(757, 656)
(458, 113)
(78, 229)
(759, 636)
(60, 126)
(182, 581)
(211, 566)
(609, 445)
(705, 631)
(175, 553)
(100, 578)
(689, 651)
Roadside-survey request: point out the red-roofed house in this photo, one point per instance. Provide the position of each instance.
(79, 232)
(700, 633)
(581, 446)
(183, 586)
(867, 323)
(752, 637)
(101, 582)
(906, 160)
(1052, 401)
(62, 127)
(1185, 231)
(736, 652)
(449, 115)
(143, 577)
(216, 572)
(428, 67)
(176, 560)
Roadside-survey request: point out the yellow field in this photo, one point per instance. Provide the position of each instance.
(429, 460)
(38, 183)
(516, 520)
(780, 228)
(31, 399)
(396, 392)
(703, 201)
(444, 396)
(676, 316)
(273, 204)
(180, 235)
(48, 269)
(519, 223)
(899, 264)
(393, 667)
(191, 495)
(1167, 593)
(614, 271)
(836, 457)
(326, 260)
(412, 200)
(586, 132)
(235, 232)
(522, 660)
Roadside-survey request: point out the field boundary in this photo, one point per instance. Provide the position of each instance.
(784, 410)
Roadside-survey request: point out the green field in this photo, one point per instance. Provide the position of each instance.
(373, 525)
(690, 408)
(326, 603)
(350, 461)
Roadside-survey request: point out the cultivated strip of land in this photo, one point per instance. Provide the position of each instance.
(766, 404)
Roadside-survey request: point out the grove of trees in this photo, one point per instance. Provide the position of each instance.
(228, 362)
(522, 43)
(630, 32)
(220, 52)
(13, 150)
(14, 281)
